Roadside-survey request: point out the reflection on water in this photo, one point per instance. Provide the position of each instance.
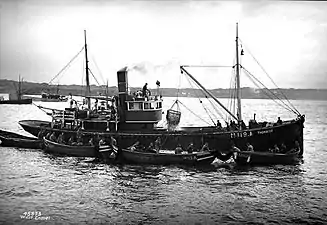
(77, 191)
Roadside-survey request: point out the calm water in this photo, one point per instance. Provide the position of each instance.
(68, 190)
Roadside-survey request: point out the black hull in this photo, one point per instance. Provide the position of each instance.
(261, 138)
(9, 139)
(17, 102)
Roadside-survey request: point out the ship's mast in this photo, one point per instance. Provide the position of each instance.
(107, 94)
(88, 90)
(19, 88)
(238, 87)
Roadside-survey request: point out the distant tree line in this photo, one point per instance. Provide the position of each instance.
(30, 88)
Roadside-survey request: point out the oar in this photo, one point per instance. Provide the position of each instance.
(204, 158)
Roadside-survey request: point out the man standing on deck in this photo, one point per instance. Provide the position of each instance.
(145, 90)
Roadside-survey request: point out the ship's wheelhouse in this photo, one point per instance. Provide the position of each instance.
(143, 111)
(137, 109)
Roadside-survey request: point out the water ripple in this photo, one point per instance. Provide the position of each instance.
(78, 191)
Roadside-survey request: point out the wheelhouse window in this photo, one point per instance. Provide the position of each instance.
(135, 106)
(147, 105)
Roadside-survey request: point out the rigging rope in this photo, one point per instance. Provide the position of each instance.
(67, 65)
(64, 68)
(267, 91)
(175, 103)
(195, 114)
(94, 77)
(40, 107)
(96, 65)
(217, 110)
(205, 108)
(201, 101)
(297, 112)
(272, 93)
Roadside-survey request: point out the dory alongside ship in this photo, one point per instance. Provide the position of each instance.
(111, 154)
(133, 118)
(11, 139)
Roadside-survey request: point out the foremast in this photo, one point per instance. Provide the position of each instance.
(238, 117)
(19, 94)
(88, 90)
(238, 81)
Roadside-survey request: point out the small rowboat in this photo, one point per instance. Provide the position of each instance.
(165, 157)
(69, 150)
(10, 139)
(266, 158)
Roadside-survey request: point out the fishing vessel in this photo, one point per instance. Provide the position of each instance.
(16, 97)
(46, 97)
(51, 97)
(134, 118)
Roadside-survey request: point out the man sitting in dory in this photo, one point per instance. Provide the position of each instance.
(205, 147)
(71, 140)
(60, 139)
(150, 148)
(53, 137)
(102, 141)
(91, 142)
(178, 149)
(134, 146)
(79, 140)
(190, 148)
(157, 144)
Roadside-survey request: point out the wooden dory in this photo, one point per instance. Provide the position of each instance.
(69, 150)
(266, 158)
(165, 157)
(10, 139)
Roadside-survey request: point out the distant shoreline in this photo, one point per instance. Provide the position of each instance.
(31, 88)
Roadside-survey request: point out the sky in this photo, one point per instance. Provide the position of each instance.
(153, 38)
